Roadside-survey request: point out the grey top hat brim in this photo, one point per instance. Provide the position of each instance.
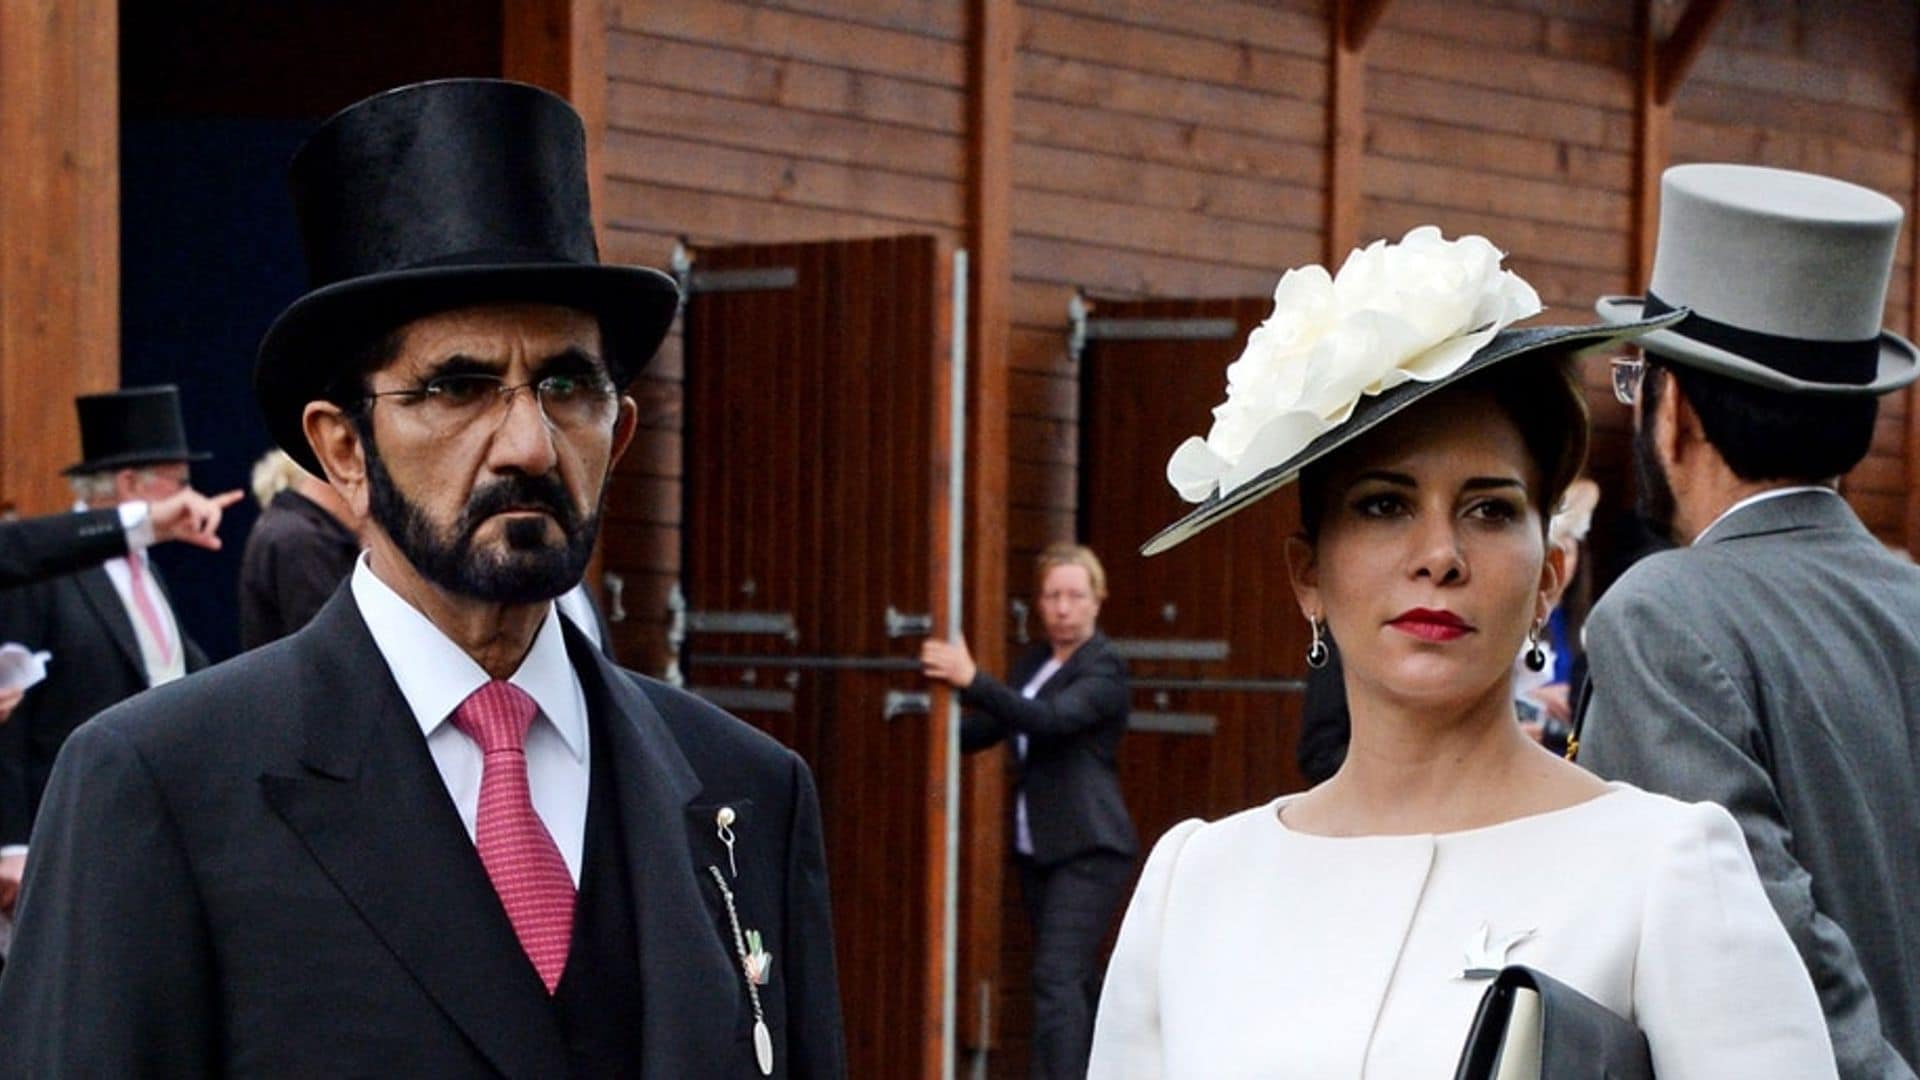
(1375, 410)
(1899, 361)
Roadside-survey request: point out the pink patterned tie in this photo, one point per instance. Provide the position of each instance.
(149, 612)
(515, 847)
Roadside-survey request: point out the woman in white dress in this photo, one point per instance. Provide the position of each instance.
(1350, 930)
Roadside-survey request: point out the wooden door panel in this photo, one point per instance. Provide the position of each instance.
(814, 494)
(1228, 586)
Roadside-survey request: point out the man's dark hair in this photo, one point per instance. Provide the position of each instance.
(1766, 434)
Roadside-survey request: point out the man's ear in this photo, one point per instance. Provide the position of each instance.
(624, 426)
(1676, 427)
(1304, 571)
(336, 442)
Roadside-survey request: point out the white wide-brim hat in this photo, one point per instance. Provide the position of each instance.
(1786, 276)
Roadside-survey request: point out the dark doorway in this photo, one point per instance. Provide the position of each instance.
(215, 95)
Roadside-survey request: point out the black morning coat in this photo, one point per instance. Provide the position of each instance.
(96, 664)
(257, 871)
(1073, 728)
(35, 549)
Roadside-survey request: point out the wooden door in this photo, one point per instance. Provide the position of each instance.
(1214, 639)
(814, 561)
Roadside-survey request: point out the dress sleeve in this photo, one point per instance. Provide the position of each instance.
(1126, 1034)
(1718, 987)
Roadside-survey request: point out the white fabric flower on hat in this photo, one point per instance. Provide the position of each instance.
(1418, 309)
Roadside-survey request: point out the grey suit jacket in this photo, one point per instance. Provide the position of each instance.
(1774, 668)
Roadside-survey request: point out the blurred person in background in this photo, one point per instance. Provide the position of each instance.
(300, 550)
(1064, 709)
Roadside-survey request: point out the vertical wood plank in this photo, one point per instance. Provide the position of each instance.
(1346, 134)
(59, 234)
(990, 105)
(1653, 125)
(561, 45)
(1912, 518)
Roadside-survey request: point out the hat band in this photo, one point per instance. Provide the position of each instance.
(1847, 363)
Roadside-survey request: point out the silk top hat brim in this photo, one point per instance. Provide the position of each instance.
(1372, 411)
(1786, 275)
(434, 197)
(305, 346)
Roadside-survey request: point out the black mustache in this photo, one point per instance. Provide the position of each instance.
(544, 492)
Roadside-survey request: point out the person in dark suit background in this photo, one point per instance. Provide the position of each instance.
(38, 548)
(109, 628)
(1064, 708)
(434, 832)
(300, 550)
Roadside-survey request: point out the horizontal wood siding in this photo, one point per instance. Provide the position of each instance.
(1799, 85)
(760, 122)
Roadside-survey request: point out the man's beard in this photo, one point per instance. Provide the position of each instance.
(1653, 498)
(530, 570)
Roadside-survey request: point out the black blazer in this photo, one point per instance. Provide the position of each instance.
(258, 871)
(296, 556)
(96, 664)
(1073, 728)
(39, 548)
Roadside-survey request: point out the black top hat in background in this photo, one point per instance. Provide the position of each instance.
(436, 196)
(125, 429)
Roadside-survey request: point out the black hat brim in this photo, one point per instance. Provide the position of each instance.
(1372, 411)
(313, 341)
(135, 460)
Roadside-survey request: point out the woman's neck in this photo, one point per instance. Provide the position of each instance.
(1411, 768)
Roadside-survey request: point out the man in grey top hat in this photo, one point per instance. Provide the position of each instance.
(1771, 665)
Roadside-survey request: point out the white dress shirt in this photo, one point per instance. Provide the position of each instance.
(1022, 830)
(1763, 497)
(162, 658)
(435, 676)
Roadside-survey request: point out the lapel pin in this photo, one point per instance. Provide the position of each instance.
(759, 961)
(724, 820)
(1487, 954)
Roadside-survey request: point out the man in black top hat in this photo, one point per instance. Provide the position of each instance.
(434, 832)
(109, 628)
(1770, 664)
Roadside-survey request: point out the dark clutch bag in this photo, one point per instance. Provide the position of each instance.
(1530, 1025)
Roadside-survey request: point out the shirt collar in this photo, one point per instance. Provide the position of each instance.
(1770, 493)
(437, 675)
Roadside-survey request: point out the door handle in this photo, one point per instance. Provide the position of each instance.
(907, 703)
(900, 624)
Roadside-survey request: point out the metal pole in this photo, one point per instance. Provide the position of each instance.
(956, 607)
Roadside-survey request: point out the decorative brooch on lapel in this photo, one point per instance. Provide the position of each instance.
(1487, 954)
(756, 963)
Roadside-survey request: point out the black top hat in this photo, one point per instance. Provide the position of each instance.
(436, 196)
(125, 429)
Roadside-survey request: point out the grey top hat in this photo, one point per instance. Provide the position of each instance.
(1786, 274)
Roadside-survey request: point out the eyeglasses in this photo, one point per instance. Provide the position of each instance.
(1628, 373)
(450, 403)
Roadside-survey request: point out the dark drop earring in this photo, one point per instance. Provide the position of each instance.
(1317, 652)
(1536, 658)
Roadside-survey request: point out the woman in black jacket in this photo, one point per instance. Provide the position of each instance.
(1064, 709)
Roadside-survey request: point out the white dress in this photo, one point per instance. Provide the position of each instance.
(1250, 950)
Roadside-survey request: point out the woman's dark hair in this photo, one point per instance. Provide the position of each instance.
(1540, 393)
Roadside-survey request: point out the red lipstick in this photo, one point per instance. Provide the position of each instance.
(1429, 625)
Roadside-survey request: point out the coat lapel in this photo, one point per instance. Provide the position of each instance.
(690, 986)
(371, 808)
(96, 588)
